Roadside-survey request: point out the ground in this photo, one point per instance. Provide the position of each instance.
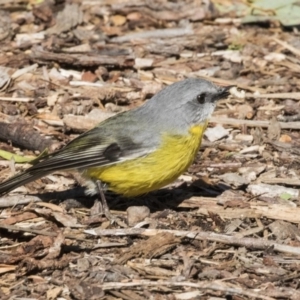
(226, 229)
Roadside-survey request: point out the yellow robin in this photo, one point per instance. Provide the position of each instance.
(140, 150)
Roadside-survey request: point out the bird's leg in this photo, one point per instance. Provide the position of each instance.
(104, 207)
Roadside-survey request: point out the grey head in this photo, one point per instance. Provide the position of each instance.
(183, 104)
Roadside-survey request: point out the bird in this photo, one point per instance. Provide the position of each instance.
(139, 150)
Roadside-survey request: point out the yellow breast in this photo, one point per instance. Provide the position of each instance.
(142, 175)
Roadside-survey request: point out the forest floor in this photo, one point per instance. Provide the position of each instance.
(226, 229)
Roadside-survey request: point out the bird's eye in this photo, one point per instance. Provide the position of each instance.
(201, 98)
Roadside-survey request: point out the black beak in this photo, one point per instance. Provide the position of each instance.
(225, 91)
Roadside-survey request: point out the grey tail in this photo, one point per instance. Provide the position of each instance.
(21, 179)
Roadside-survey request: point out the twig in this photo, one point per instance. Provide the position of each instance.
(253, 123)
(24, 135)
(294, 96)
(231, 165)
(215, 286)
(16, 99)
(198, 235)
(13, 200)
(253, 209)
(287, 181)
(39, 232)
(287, 46)
(39, 54)
(17, 228)
(158, 33)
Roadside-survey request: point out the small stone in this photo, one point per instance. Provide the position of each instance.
(284, 138)
(140, 63)
(89, 77)
(244, 137)
(275, 57)
(257, 169)
(216, 133)
(136, 214)
(234, 179)
(118, 20)
(272, 191)
(83, 264)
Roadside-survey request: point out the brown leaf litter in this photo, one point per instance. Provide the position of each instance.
(227, 228)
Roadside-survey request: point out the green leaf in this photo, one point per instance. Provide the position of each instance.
(271, 5)
(287, 12)
(17, 158)
(286, 196)
(289, 15)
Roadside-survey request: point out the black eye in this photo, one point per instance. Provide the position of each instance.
(201, 98)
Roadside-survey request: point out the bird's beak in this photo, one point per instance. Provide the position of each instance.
(225, 91)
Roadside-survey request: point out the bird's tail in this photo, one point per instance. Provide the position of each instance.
(21, 179)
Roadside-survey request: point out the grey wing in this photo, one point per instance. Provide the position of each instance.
(92, 150)
(88, 150)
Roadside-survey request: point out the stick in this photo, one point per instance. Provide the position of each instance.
(199, 235)
(215, 286)
(253, 123)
